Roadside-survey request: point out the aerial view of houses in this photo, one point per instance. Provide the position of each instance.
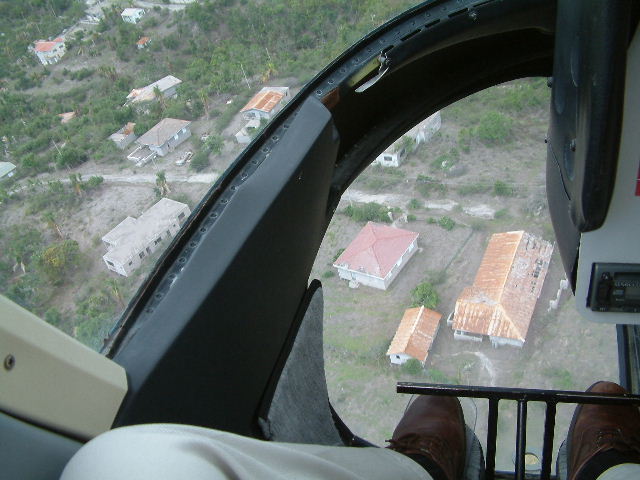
(133, 239)
(376, 256)
(500, 303)
(103, 106)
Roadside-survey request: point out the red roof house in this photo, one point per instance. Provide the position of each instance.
(266, 103)
(49, 52)
(376, 256)
(415, 335)
(501, 301)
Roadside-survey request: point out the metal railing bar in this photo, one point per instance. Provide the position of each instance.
(521, 438)
(517, 394)
(547, 445)
(492, 433)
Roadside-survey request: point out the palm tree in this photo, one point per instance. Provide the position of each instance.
(161, 182)
(76, 183)
(115, 291)
(52, 224)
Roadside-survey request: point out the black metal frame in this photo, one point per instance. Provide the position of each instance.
(521, 395)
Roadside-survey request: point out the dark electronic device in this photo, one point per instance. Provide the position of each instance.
(615, 287)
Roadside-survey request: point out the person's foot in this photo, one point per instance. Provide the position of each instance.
(432, 431)
(597, 429)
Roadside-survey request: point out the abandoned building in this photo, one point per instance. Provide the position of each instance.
(414, 336)
(501, 301)
(134, 239)
(266, 103)
(49, 52)
(166, 86)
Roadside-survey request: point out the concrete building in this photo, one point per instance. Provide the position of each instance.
(421, 133)
(134, 239)
(376, 256)
(123, 137)
(49, 52)
(132, 15)
(144, 42)
(246, 133)
(414, 336)
(7, 169)
(167, 86)
(66, 117)
(165, 136)
(266, 103)
(501, 301)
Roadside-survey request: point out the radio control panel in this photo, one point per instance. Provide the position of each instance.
(615, 287)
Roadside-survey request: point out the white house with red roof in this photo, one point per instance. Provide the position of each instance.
(377, 255)
(266, 103)
(49, 52)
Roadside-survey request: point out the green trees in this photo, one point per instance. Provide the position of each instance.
(425, 294)
(58, 260)
(368, 212)
(200, 161)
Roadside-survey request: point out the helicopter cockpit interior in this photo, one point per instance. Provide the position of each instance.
(226, 336)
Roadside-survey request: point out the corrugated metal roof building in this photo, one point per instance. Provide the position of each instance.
(414, 336)
(501, 301)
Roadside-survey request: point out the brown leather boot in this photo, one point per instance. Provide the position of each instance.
(433, 427)
(601, 428)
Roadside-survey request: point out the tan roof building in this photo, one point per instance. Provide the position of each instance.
(415, 335)
(501, 301)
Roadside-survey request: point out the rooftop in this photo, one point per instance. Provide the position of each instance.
(133, 235)
(504, 294)
(67, 116)
(143, 40)
(148, 93)
(416, 333)
(6, 168)
(266, 99)
(376, 249)
(44, 46)
(127, 12)
(162, 131)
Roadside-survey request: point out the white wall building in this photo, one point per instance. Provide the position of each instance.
(246, 133)
(49, 52)
(167, 86)
(165, 136)
(414, 336)
(123, 137)
(377, 255)
(132, 15)
(134, 239)
(421, 133)
(266, 103)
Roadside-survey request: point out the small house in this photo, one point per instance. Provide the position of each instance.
(133, 239)
(246, 133)
(7, 169)
(266, 103)
(167, 86)
(49, 52)
(123, 137)
(421, 133)
(501, 301)
(165, 136)
(143, 42)
(376, 256)
(66, 117)
(414, 336)
(132, 15)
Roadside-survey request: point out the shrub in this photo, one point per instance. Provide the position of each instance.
(328, 274)
(473, 189)
(437, 376)
(411, 218)
(447, 223)
(414, 204)
(427, 185)
(371, 211)
(494, 129)
(199, 161)
(502, 213)
(425, 294)
(503, 189)
(338, 253)
(411, 367)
